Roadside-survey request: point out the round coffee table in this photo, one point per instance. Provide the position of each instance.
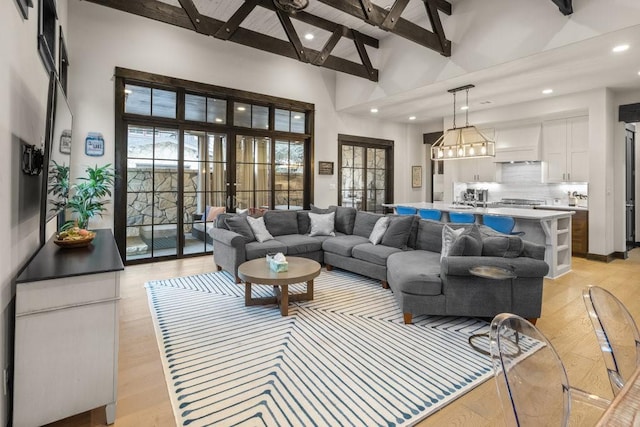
(258, 271)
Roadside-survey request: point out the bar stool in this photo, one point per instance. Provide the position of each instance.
(502, 224)
(462, 217)
(406, 210)
(433, 214)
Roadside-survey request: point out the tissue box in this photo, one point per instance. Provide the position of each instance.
(278, 266)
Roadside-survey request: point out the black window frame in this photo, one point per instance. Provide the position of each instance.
(47, 24)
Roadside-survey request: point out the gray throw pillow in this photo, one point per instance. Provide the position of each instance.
(322, 224)
(239, 224)
(449, 236)
(345, 219)
(378, 230)
(365, 221)
(502, 246)
(280, 223)
(398, 231)
(469, 243)
(429, 236)
(317, 210)
(259, 229)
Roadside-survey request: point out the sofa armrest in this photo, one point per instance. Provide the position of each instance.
(533, 250)
(227, 237)
(521, 266)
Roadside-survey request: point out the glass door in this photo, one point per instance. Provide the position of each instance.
(252, 186)
(364, 182)
(204, 187)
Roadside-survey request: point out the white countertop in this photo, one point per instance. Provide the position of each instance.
(564, 207)
(535, 214)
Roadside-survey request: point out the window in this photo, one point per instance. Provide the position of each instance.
(63, 64)
(250, 116)
(290, 121)
(203, 109)
(150, 101)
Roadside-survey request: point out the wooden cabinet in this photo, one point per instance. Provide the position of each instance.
(66, 332)
(566, 149)
(580, 233)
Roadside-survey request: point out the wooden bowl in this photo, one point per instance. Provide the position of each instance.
(76, 243)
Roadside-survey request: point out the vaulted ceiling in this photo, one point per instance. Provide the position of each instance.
(335, 34)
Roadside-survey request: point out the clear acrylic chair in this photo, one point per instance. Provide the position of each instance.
(617, 334)
(532, 382)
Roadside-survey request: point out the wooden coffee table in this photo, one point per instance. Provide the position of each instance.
(257, 271)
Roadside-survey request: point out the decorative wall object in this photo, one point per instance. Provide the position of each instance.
(416, 176)
(65, 141)
(325, 168)
(94, 144)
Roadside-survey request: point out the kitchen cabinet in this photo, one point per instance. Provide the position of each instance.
(66, 332)
(579, 229)
(472, 170)
(566, 149)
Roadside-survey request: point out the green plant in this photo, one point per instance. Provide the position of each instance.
(58, 185)
(88, 197)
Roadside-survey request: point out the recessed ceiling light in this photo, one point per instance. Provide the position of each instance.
(308, 36)
(639, 73)
(374, 110)
(412, 118)
(464, 107)
(297, 117)
(620, 48)
(128, 91)
(547, 91)
(218, 119)
(241, 108)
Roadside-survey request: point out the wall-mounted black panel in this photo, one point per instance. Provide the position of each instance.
(629, 113)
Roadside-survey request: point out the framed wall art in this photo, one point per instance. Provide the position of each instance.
(416, 176)
(325, 168)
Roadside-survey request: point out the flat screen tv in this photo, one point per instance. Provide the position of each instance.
(57, 154)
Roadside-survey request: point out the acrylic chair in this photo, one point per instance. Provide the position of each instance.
(462, 217)
(406, 210)
(532, 382)
(617, 334)
(433, 214)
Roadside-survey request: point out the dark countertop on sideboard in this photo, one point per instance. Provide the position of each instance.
(54, 262)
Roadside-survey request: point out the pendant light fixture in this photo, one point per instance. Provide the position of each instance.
(462, 142)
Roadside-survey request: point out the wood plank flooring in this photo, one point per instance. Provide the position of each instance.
(143, 399)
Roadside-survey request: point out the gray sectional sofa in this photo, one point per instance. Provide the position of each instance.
(408, 259)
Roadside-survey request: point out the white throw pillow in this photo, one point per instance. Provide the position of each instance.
(378, 230)
(259, 229)
(449, 236)
(322, 224)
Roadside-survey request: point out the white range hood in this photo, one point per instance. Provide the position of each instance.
(518, 143)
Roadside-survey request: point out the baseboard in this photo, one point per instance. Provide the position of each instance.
(602, 258)
(621, 255)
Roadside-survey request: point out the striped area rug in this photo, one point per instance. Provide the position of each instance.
(343, 359)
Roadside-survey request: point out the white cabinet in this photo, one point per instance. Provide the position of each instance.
(66, 333)
(566, 149)
(471, 170)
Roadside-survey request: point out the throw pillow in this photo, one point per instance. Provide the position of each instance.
(345, 219)
(214, 211)
(502, 246)
(322, 224)
(239, 224)
(378, 230)
(449, 236)
(469, 243)
(259, 229)
(317, 210)
(398, 231)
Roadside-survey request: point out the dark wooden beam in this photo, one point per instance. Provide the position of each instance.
(565, 6)
(436, 25)
(292, 35)
(362, 51)
(230, 27)
(338, 33)
(177, 16)
(194, 16)
(402, 28)
(394, 13)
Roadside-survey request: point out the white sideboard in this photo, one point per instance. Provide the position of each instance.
(66, 332)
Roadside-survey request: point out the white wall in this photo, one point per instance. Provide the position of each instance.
(24, 87)
(104, 38)
(477, 32)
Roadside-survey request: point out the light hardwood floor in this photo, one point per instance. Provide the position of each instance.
(142, 393)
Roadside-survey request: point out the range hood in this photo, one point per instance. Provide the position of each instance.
(519, 143)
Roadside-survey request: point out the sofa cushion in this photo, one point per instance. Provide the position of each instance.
(376, 254)
(398, 230)
(415, 272)
(221, 221)
(321, 239)
(343, 245)
(365, 221)
(502, 246)
(378, 230)
(304, 223)
(298, 244)
(239, 224)
(260, 249)
(322, 224)
(469, 243)
(318, 210)
(429, 236)
(345, 219)
(259, 229)
(280, 223)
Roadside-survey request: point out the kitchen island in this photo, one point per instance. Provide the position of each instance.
(551, 228)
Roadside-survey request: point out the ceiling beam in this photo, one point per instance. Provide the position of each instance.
(375, 15)
(230, 27)
(565, 6)
(177, 16)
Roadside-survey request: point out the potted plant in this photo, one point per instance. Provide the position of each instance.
(85, 199)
